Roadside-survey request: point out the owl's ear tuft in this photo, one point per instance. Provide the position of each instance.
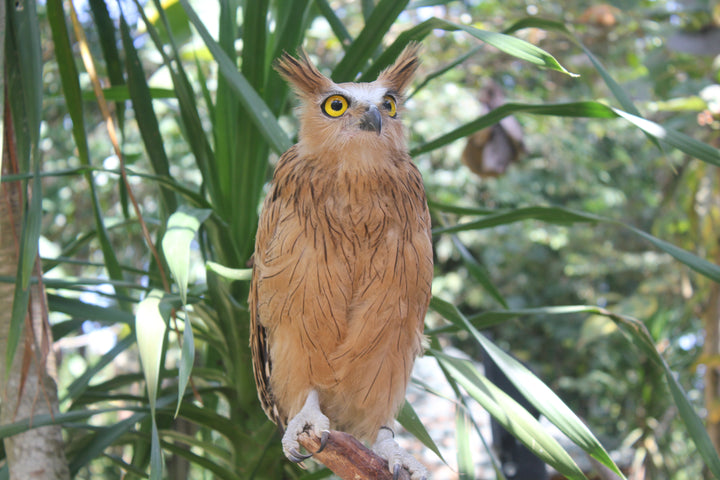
(399, 74)
(301, 74)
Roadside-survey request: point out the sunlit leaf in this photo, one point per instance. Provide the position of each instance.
(254, 105)
(506, 43)
(150, 328)
(412, 423)
(566, 216)
(466, 466)
(243, 274)
(511, 415)
(182, 226)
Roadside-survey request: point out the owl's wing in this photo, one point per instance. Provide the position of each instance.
(262, 365)
(259, 347)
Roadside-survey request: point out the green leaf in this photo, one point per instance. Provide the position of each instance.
(409, 419)
(187, 359)
(542, 398)
(574, 110)
(108, 43)
(145, 114)
(555, 26)
(81, 383)
(58, 418)
(335, 23)
(684, 143)
(242, 274)
(376, 26)
(150, 328)
(466, 466)
(512, 416)
(564, 216)
(641, 337)
(23, 72)
(506, 43)
(156, 454)
(478, 271)
(251, 101)
(73, 101)
(182, 226)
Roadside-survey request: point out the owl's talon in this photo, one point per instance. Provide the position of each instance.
(309, 419)
(397, 458)
(323, 440)
(297, 457)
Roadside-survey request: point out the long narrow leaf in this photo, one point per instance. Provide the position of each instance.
(466, 467)
(80, 384)
(74, 104)
(564, 216)
(574, 109)
(641, 337)
(478, 271)
(376, 26)
(336, 24)
(410, 420)
(150, 328)
(181, 230)
(506, 43)
(182, 226)
(682, 142)
(193, 131)
(538, 394)
(23, 71)
(555, 26)
(145, 114)
(512, 416)
(108, 44)
(253, 104)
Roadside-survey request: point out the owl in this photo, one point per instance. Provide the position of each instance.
(343, 264)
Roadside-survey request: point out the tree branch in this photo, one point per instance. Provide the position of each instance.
(348, 458)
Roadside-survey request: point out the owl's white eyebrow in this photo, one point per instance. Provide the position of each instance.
(362, 93)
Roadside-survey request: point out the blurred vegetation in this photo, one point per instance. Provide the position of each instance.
(196, 144)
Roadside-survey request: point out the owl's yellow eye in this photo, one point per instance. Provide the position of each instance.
(335, 105)
(389, 105)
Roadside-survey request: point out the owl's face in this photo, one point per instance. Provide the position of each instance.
(349, 116)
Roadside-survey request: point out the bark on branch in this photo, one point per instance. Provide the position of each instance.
(348, 458)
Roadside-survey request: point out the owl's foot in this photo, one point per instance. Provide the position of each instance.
(397, 458)
(309, 419)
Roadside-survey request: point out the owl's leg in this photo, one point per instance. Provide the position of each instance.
(397, 458)
(308, 418)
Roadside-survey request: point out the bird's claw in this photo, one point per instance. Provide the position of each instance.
(323, 440)
(294, 456)
(397, 458)
(310, 419)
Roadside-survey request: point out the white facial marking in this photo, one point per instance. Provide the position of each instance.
(363, 93)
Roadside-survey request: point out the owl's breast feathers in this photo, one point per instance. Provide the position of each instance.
(341, 284)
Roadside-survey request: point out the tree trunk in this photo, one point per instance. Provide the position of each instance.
(711, 314)
(711, 352)
(26, 385)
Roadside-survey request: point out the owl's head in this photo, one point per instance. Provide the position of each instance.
(348, 116)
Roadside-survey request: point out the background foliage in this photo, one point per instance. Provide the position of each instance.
(591, 217)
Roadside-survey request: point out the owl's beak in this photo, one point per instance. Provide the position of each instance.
(371, 121)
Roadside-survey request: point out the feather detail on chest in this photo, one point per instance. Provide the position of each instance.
(355, 199)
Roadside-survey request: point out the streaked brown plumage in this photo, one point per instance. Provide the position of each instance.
(343, 257)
